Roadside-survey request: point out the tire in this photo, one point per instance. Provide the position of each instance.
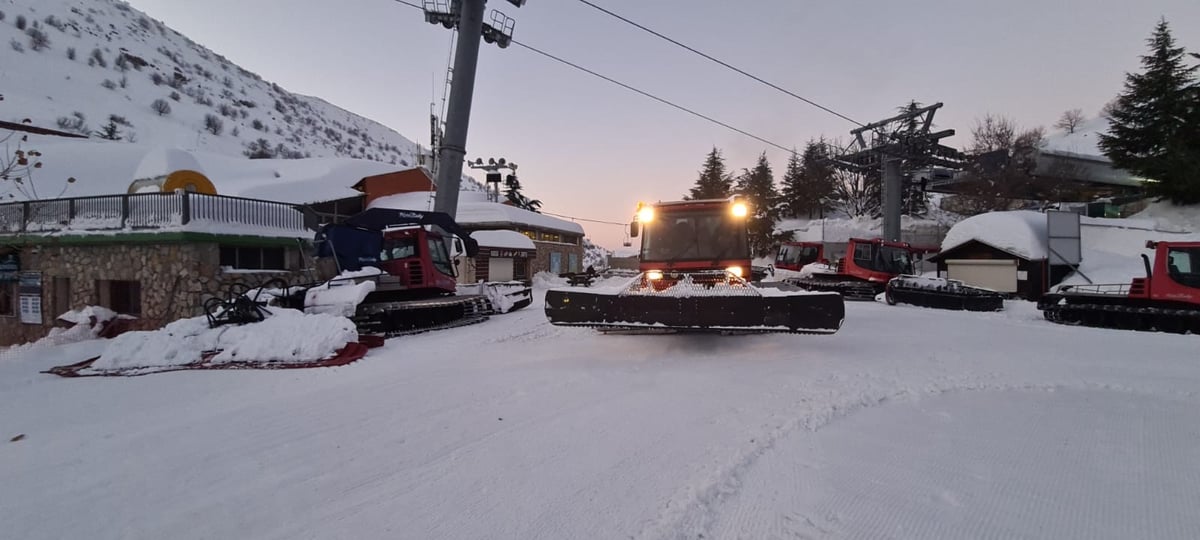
(887, 296)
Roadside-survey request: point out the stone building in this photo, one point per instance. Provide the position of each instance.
(156, 256)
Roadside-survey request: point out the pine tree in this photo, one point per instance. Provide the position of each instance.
(758, 187)
(714, 181)
(793, 197)
(513, 195)
(1152, 127)
(109, 131)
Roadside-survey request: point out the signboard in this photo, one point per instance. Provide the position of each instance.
(508, 253)
(29, 288)
(31, 309)
(10, 264)
(1062, 231)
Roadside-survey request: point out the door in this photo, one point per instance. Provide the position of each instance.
(500, 269)
(997, 275)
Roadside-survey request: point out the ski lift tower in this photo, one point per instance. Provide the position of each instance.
(467, 17)
(892, 144)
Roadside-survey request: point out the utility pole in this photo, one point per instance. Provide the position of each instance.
(467, 16)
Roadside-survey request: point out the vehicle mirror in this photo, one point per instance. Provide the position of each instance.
(633, 229)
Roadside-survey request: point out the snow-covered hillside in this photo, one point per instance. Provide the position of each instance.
(74, 65)
(1084, 141)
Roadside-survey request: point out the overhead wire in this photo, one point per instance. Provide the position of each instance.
(636, 90)
(720, 62)
(652, 96)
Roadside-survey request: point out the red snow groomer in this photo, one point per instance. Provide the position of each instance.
(864, 271)
(1166, 300)
(695, 266)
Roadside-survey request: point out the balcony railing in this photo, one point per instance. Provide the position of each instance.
(181, 210)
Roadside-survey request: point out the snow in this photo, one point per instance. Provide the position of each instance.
(339, 298)
(285, 336)
(1084, 142)
(993, 425)
(475, 209)
(503, 240)
(1021, 233)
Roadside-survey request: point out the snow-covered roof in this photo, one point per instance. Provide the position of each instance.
(1021, 233)
(107, 168)
(475, 209)
(503, 239)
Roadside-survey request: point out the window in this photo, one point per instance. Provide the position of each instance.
(8, 298)
(1183, 266)
(441, 259)
(550, 237)
(555, 262)
(120, 296)
(572, 262)
(398, 248)
(254, 258)
(862, 253)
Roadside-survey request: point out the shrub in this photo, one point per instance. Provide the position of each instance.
(17, 46)
(98, 58)
(70, 53)
(109, 84)
(157, 78)
(77, 122)
(213, 124)
(161, 107)
(21, 22)
(175, 95)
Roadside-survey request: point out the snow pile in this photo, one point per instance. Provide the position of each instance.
(286, 336)
(502, 295)
(1021, 233)
(340, 298)
(1171, 217)
(546, 280)
(86, 323)
(502, 239)
(1113, 248)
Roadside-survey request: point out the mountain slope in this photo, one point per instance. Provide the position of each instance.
(76, 63)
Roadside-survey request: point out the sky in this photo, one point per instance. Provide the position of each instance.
(589, 149)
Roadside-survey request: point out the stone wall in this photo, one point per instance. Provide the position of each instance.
(542, 262)
(175, 280)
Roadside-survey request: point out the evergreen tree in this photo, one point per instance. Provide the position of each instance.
(513, 195)
(758, 187)
(1153, 124)
(808, 181)
(792, 196)
(714, 181)
(109, 131)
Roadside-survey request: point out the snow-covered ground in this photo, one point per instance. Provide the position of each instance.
(908, 423)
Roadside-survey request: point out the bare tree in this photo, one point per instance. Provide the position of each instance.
(161, 107)
(1070, 120)
(1000, 167)
(213, 124)
(856, 194)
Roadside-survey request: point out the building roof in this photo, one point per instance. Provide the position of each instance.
(1021, 233)
(475, 210)
(503, 240)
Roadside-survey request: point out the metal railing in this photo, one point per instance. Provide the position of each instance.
(142, 211)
